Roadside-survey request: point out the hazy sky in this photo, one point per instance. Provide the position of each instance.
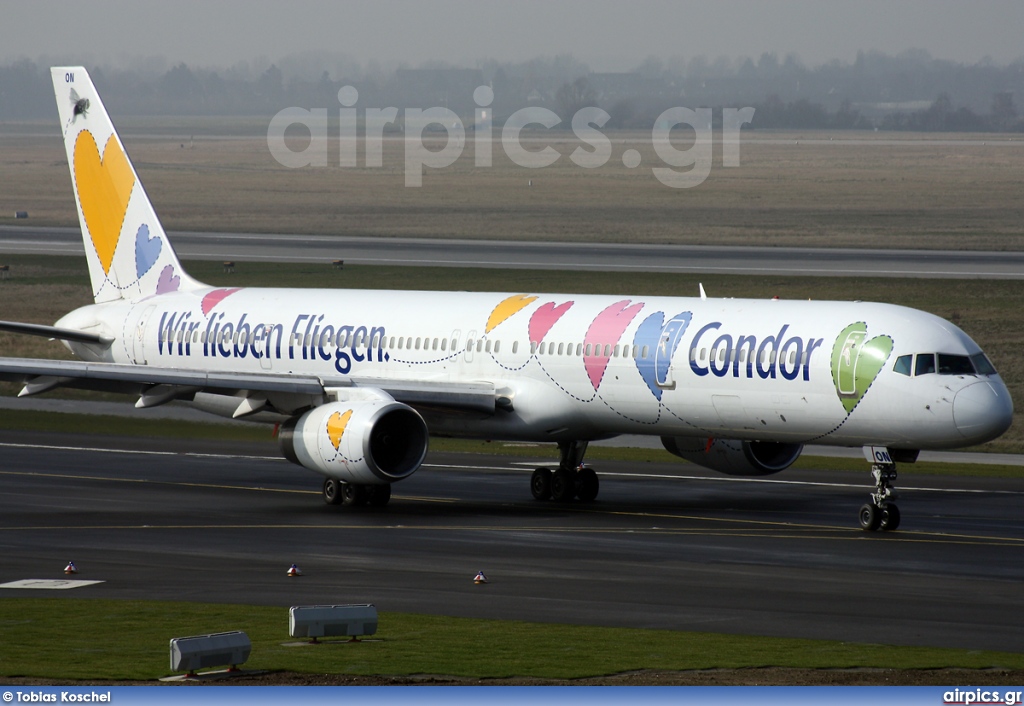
(609, 35)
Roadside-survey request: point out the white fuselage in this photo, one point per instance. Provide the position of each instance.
(587, 367)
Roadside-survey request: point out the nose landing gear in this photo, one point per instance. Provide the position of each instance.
(881, 513)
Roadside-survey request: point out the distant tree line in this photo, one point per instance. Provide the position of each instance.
(911, 91)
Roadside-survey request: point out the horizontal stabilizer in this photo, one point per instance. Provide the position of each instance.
(61, 334)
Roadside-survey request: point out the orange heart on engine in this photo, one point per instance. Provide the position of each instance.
(104, 186)
(336, 424)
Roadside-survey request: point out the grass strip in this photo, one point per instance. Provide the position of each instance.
(34, 420)
(66, 638)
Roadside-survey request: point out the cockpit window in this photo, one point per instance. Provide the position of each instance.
(903, 365)
(982, 364)
(955, 365)
(925, 364)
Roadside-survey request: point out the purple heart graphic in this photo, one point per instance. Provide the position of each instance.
(168, 282)
(147, 250)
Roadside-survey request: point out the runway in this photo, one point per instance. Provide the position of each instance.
(665, 546)
(550, 255)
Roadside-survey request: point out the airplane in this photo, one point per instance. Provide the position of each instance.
(359, 380)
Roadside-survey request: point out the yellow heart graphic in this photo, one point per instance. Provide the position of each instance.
(336, 424)
(104, 185)
(507, 308)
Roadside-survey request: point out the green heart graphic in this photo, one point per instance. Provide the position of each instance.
(856, 363)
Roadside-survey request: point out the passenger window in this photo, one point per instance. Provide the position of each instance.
(586, 350)
(579, 350)
(543, 348)
(488, 346)
(561, 348)
(644, 351)
(902, 365)
(469, 345)
(924, 364)
(533, 347)
(479, 345)
(607, 351)
(515, 346)
(497, 346)
(444, 344)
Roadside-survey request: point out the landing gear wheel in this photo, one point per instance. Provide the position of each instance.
(870, 517)
(353, 494)
(890, 518)
(540, 484)
(563, 485)
(378, 495)
(332, 491)
(588, 485)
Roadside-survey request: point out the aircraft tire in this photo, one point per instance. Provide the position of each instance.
(540, 484)
(870, 517)
(890, 518)
(588, 485)
(563, 485)
(332, 491)
(353, 494)
(378, 495)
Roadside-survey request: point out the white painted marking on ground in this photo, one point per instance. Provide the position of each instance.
(48, 584)
(139, 452)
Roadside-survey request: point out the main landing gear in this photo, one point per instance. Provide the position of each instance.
(338, 492)
(571, 480)
(881, 513)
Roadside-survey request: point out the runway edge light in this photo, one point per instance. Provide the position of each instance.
(70, 568)
(294, 570)
(480, 578)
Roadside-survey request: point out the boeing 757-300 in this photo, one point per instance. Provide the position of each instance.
(359, 380)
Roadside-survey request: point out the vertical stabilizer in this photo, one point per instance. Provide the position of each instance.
(128, 252)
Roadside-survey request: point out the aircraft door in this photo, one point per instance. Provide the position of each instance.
(847, 372)
(266, 361)
(667, 345)
(139, 337)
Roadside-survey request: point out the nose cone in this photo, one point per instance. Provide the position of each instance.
(982, 411)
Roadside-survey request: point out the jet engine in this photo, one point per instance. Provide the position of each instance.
(367, 441)
(735, 458)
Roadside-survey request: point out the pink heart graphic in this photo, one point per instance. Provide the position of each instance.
(544, 318)
(215, 297)
(606, 330)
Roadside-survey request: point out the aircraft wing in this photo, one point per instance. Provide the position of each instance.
(156, 385)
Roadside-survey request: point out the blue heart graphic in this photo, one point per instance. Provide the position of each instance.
(660, 340)
(147, 250)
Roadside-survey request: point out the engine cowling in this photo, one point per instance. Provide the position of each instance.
(735, 458)
(369, 441)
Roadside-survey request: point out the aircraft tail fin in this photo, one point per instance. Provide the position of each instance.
(128, 252)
